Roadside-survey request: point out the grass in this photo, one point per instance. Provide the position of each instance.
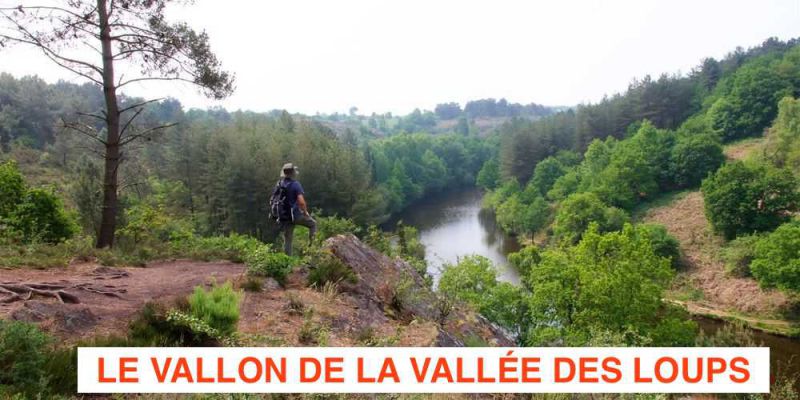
(743, 148)
(81, 248)
(665, 199)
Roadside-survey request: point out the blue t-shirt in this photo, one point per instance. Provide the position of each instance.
(293, 189)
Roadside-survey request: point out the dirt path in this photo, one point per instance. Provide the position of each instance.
(127, 289)
(102, 301)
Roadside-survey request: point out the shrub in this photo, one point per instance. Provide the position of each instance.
(312, 333)
(777, 258)
(331, 226)
(234, 247)
(264, 262)
(693, 158)
(579, 210)
(742, 198)
(378, 240)
(545, 174)
(469, 280)
(505, 305)
(739, 253)
(252, 284)
(154, 327)
(612, 281)
(324, 267)
(663, 244)
(12, 187)
(23, 354)
(32, 215)
(408, 241)
(218, 307)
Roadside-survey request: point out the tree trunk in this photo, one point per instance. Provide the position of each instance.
(108, 220)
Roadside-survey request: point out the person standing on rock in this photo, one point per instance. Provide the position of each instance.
(288, 207)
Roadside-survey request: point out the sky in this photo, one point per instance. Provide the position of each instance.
(326, 56)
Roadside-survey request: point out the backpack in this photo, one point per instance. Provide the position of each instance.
(279, 208)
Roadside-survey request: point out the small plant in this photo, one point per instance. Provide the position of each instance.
(366, 336)
(325, 267)
(252, 284)
(739, 253)
(330, 290)
(312, 333)
(444, 307)
(219, 307)
(296, 305)
(23, 355)
(264, 262)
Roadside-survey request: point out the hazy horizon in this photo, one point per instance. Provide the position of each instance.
(318, 56)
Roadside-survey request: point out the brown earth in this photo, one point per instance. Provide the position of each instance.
(100, 314)
(685, 219)
(723, 296)
(362, 313)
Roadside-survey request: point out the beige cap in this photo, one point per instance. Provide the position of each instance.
(287, 167)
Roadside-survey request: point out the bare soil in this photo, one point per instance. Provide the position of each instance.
(95, 300)
(98, 314)
(685, 219)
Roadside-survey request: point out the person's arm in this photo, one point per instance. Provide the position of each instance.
(301, 204)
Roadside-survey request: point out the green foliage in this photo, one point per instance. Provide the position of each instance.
(784, 135)
(750, 97)
(328, 227)
(579, 210)
(473, 281)
(23, 354)
(233, 247)
(524, 261)
(469, 280)
(408, 166)
(262, 261)
(612, 282)
(489, 175)
(506, 305)
(218, 307)
(325, 267)
(742, 198)
(31, 215)
(663, 244)
(378, 240)
(517, 217)
(739, 253)
(546, 173)
(12, 187)
(41, 217)
(776, 262)
(693, 158)
(409, 244)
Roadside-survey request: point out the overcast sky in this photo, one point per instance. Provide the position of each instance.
(325, 55)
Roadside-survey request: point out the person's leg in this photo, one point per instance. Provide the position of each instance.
(309, 223)
(288, 236)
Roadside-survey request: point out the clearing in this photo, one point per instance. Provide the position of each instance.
(87, 300)
(704, 287)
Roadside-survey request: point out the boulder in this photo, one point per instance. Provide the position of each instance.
(394, 287)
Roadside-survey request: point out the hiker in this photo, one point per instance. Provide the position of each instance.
(288, 207)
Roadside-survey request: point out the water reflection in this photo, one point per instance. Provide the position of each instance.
(453, 225)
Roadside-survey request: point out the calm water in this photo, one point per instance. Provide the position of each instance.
(453, 225)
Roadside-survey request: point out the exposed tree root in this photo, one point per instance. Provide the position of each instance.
(25, 291)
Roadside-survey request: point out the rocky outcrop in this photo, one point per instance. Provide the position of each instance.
(393, 287)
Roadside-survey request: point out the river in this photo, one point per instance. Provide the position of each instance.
(453, 225)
